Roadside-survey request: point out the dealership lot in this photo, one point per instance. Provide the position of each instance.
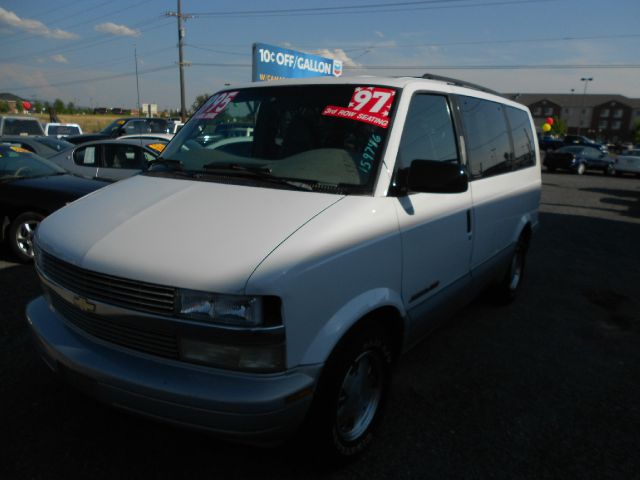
(544, 388)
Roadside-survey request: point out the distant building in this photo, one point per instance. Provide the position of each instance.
(149, 109)
(12, 101)
(607, 118)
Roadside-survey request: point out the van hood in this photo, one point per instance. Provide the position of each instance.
(183, 233)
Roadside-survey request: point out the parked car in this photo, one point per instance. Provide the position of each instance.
(579, 159)
(60, 130)
(110, 159)
(20, 125)
(43, 146)
(628, 163)
(32, 187)
(174, 126)
(582, 140)
(262, 293)
(145, 137)
(548, 142)
(123, 126)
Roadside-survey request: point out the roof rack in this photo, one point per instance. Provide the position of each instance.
(459, 83)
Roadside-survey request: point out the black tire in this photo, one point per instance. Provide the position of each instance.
(507, 289)
(350, 397)
(551, 169)
(21, 233)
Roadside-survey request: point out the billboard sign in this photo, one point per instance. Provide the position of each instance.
(276, 63)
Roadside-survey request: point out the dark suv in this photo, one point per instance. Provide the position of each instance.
(582, 140)
(123, 126)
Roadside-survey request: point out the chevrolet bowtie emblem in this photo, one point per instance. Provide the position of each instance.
(84, 304)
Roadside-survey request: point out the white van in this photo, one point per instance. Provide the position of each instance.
(259, 285)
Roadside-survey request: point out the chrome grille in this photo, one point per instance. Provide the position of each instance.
(163, 344)
(144, 297)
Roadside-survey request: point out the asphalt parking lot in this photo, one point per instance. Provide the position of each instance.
(545, 388)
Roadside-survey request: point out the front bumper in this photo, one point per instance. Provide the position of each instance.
(251, 408)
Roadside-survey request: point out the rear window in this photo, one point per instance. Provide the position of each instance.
(63, 130)
(22, 126)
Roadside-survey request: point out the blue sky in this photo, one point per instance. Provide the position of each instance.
(83, 51)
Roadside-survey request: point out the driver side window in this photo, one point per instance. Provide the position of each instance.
(428, 131)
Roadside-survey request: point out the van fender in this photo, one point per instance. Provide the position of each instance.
(526, 221)
(346, 317)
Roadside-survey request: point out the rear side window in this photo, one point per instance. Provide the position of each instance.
(522, 135)
(122, 156)
(486, 137)
(428, 132)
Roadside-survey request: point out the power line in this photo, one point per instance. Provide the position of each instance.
(496, 67)
(91, 42)
(451, 67)
(360, 9)
(93, 79)
(237, 54)
(26, 35)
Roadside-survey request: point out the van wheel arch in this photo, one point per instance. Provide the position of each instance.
(353, 387)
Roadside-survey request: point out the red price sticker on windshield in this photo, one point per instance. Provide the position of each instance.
(216, 104)
(368, 104)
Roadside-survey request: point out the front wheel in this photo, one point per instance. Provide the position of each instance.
(351, 396)
(21, 232)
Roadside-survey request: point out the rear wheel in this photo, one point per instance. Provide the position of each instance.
(581, 169)
(21, 232)
(506, 291)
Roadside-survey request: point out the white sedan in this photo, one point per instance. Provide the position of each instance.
(629, 162)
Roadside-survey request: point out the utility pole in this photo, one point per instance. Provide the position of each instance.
(586, 81)
(135, 56)
(181, 63)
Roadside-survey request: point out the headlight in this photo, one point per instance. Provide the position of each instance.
(226, 309)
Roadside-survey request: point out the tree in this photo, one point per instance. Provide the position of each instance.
(4, 106)
(200, 99)
(559, 127)
(71, 108)
(37, 106)
(636, 133)
(19, 107)
(58, 105)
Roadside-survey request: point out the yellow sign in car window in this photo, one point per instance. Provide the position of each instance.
(158, 147)
(20, 150)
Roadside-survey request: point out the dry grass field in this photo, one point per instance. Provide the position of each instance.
(88, 123)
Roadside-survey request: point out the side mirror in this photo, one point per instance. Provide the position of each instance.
(436, 177)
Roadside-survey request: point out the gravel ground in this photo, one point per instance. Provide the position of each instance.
(547, 387)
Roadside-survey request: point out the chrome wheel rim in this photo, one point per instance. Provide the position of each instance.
(516, 270)
(24, 237)
(359, 396)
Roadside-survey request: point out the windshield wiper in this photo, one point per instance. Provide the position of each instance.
(168, 167)
(261, 173)
(166, 162)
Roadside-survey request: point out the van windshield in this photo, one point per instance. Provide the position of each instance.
(321, 137)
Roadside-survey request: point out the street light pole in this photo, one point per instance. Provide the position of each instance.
(586, 81)
(135, 56)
